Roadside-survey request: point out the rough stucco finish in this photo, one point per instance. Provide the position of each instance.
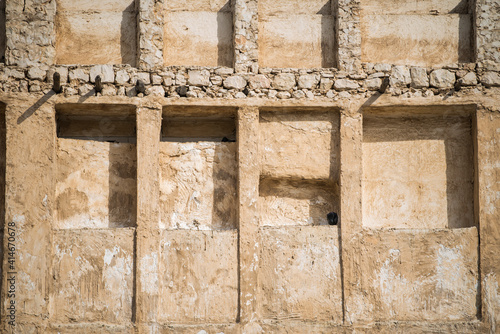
(299, 145)
(296, 203)
(296, 34)
(198, 35)
(96, 184)
(415, 276)
(30, 207)
(199, 281)
(300, 275)
(282, 42)
(93, 276)
(418, 172)
(428, 40)
(147, 241)
(488, 125)
(198, 185)
(96, 32)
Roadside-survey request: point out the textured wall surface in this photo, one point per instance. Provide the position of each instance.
(189, 191)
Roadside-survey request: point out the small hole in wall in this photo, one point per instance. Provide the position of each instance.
(96, 167)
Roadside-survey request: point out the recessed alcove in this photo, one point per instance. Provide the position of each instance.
(198, 168)
(198, 33)
(96, 166)
(299, 170)
(198, 215)
(297, 34)
(419, 33)
(299, 166)
(418, 167)
(96, 32)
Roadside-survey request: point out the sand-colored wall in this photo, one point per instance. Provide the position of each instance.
(296, 34)
(96, 32)
(198, 33)
(418, 171)
(275, 265)
(421, 33)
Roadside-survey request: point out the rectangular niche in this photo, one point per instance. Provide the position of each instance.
(418, 167)
(421, 33)
(198, 168)
(96, 32)
(296, 202)
(198, 33)
(96, 166)
(299, 166)
(297, 34)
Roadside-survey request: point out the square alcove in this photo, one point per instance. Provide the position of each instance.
(299, 166)
(419, 33)
(96, 32)
(418, 167)
(96, 184)
(198, 168)
(198, 33)
(198, 215)
(297, 34)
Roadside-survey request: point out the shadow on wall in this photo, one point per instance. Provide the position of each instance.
(129, 45)
(328, 35)
(319, 192)
(455, 134)
(224, 30)
(122, 204)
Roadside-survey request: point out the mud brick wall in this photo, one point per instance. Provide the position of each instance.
(188, 192)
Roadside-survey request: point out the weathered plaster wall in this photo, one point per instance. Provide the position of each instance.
(199, 277)
(96, 184)
(198, 33)
(298, 34)
(252, 251)
(96, 32)
(92, 276)
(418, 171)
(431, 33)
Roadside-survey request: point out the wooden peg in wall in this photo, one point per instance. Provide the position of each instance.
(56, 87)
(140, 87)
(98, 84)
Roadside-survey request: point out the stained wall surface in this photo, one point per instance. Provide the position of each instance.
(296, 34)
(431, 33)
(418, 172)
(96, 32)
(196, 200)
(198, 33)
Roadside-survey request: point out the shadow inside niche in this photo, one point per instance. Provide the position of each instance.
(128, 35)
(122, 190)
(328, 54)
(225, 35)
(454, 133)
